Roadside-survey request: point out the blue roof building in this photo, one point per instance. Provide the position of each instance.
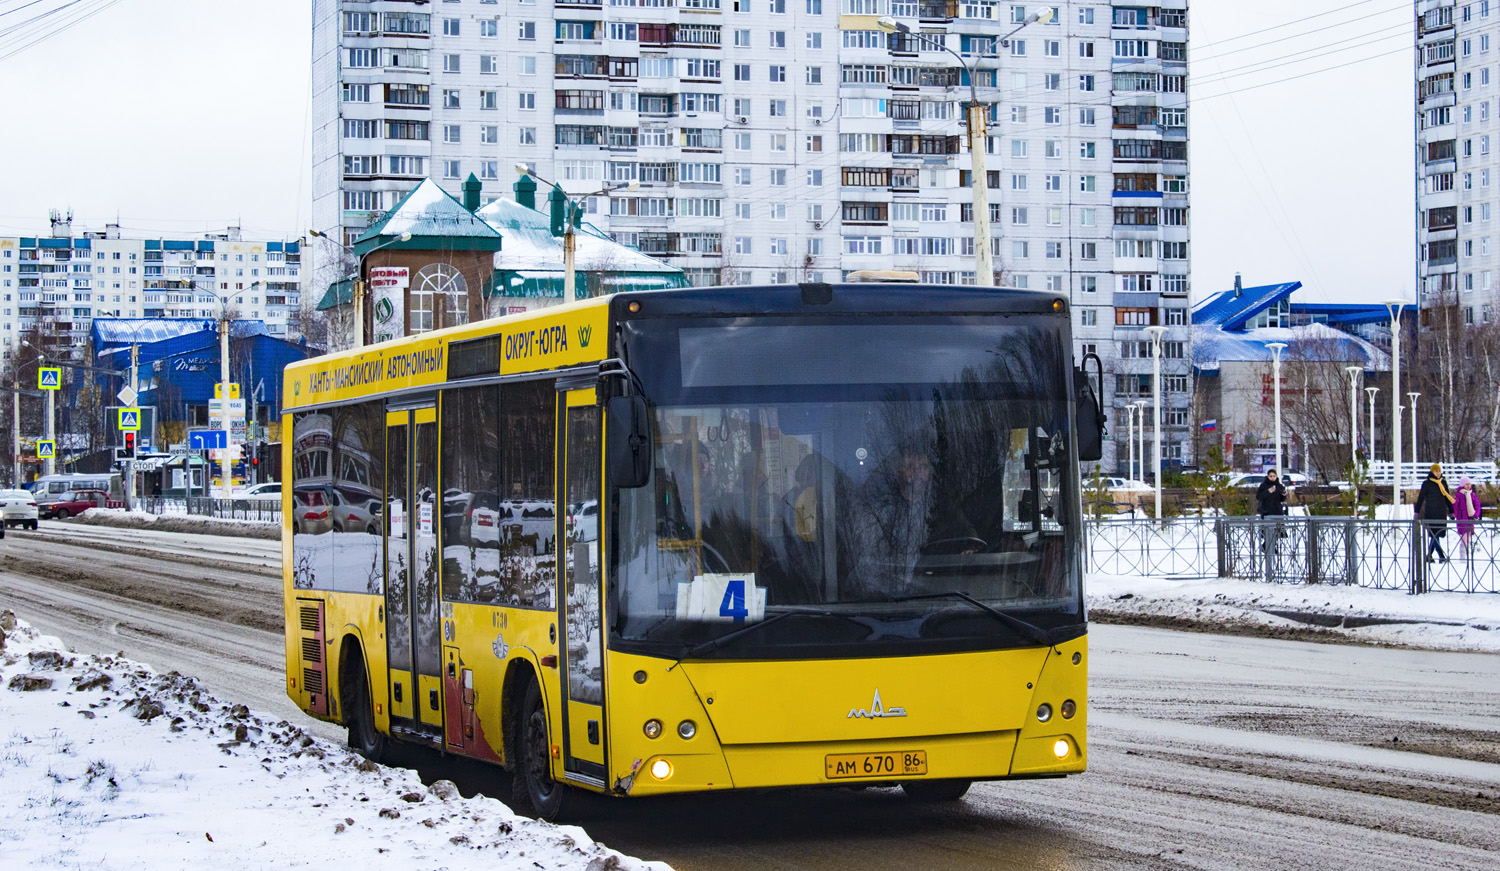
(1233, 367)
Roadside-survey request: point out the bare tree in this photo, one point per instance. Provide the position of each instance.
(1315, 401)
(1455, 366)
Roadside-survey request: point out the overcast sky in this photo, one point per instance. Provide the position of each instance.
(185, 116)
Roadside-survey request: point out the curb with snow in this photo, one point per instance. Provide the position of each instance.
(106, 763)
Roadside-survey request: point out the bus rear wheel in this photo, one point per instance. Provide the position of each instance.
(935, 790)
(533, 790)
(364, 738)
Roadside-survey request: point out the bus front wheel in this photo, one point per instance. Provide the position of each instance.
(935, 790)
(364, 738)
(534, 790)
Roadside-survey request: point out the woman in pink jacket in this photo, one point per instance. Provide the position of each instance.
(1466, 510)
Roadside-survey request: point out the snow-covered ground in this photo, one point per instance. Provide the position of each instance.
(106, 764)
(1438, 621)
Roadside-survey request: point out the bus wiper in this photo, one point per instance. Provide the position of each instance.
(715, 643)
(1030, 630)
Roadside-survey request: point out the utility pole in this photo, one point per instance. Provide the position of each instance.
(130, 460)
(15, 432)
(224, 458)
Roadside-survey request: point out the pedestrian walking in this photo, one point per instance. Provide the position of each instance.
(1434, 505)
(1466, 510)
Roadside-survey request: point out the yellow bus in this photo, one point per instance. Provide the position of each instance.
(701, 539)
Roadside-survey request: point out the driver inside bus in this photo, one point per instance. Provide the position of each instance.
(918, 516)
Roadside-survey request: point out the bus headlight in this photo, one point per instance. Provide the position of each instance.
(687, 729)
(1062, 748)
(652, 728)
(661, 769)
(1068, 709)
(1044, 712)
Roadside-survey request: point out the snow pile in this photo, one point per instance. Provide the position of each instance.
(1437, 621)
(195, 523)
(105, 763)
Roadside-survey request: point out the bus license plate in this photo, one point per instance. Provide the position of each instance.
(901, 763)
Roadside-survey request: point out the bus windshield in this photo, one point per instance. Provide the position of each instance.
(850, 487)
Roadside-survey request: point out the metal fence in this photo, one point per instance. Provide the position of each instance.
(235, 509)
(1377, 554)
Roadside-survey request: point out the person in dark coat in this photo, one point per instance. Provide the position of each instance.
(1270, 496)
(1434, 505)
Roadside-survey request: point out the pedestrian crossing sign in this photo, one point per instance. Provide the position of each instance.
(49, 378)
(46, 449)
(130, 419)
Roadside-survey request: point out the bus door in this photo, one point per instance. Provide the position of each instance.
(581, 656)
(413, 615)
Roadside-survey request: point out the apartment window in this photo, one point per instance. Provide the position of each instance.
(452, 133)
(1020, 250)
(489, 28)
(815, 178)
(742, 38)
(1018, 148)
(778, 73)
(778, 108)
(525, 100)
(451, 169)
(451, 27)
(1018, 182)
(526, 30)
(527, 135)
(778, 39)
(1088, 251)
(1018, 216)
(489, 134)
(452, 63)
(814, 75)
(1086, 117)
(815, 40)
(1088, 317)
(356, 93)
(450, 100)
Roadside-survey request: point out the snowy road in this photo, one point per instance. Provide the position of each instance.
(1206, 751)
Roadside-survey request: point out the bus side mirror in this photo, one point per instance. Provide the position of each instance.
(629, 441)
(1088, 414)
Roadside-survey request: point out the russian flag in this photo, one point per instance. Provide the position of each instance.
(1209, 425)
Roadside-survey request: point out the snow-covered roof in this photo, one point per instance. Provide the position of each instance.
(1232, 309)
(1320, 342)
(429, 211)
(530, 245)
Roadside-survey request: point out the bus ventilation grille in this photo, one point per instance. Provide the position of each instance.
(314, 666)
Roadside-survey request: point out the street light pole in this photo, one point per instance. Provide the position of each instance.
(1276, 349)
(1354, 373)
(1140, 437)
(1130, 440)
(1156, 332)
(976, 118)
(358, 288)
(1415, 458)
(1394, 307)
(570, 240)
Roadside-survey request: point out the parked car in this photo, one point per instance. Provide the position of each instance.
(18, 508)
(355, 512)
(312, 510)
(74, 503)
(258, 494)
(1251, 480)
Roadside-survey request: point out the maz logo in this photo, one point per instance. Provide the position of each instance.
(584, 334)
(876, 710)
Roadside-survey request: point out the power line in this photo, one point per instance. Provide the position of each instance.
(1271, 63)
(1304, 75)
(1307, 18)
(61, 27)
(19, 8)
(1399, 25)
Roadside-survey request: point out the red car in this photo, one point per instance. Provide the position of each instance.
(74, 503)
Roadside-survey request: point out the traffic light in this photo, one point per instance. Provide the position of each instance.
(129, 444)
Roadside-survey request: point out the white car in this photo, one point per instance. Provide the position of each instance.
(267, 493)
(18, 508)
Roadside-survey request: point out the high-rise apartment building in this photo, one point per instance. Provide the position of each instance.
(783, 140)
(58, 283)
(1458, 157)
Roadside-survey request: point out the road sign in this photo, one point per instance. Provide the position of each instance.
(46, 449)
(235, 452)
(234, 390)
(49, 378)
(206, 439)
(127, 396)
(130, 419)
(216, 409)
